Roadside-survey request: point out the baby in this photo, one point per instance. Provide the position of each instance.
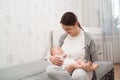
(70, 65)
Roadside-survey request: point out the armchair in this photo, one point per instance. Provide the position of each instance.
(36, 70)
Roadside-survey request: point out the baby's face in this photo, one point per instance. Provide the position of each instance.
(57, 50)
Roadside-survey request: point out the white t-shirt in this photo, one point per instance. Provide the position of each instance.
(74, 47)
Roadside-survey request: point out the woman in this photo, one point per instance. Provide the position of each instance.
(78, 44)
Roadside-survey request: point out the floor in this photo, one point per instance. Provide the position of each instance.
(117, 71)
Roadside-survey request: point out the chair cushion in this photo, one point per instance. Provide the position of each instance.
(42, 76)
(23, 70)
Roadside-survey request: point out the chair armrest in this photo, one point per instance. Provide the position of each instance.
(104, 68)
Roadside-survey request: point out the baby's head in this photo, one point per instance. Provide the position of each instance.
(56, 50)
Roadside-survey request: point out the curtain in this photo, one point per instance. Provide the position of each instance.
(106, 15)
(116, 30)
(110, 22)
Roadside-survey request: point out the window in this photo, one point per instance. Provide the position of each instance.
(116, 14)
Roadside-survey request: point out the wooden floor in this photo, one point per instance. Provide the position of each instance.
(117, 71)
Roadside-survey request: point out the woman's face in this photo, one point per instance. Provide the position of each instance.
(71, 30)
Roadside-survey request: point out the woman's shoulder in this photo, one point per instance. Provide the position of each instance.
(61, 39)
(87, 36)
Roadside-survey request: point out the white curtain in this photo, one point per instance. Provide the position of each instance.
(106, 15)
(116, 30)
(110, 22)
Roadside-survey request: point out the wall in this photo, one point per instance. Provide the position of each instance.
(25, 27)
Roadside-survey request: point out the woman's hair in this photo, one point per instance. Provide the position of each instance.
(69, 18)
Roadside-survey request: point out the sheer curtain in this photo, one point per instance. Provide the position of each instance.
(110, 22)
(106, 15)
(116, 30)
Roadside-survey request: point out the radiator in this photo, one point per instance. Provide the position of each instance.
(107, 51)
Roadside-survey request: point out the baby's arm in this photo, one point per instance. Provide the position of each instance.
(71, 67)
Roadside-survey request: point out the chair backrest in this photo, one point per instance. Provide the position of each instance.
(55, 36)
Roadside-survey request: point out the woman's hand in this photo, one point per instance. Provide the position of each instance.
(56, 60)
(87, 67)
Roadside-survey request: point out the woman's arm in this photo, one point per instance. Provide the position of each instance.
(56, 60)
(64, 55)
(94, 67)
(93, 51)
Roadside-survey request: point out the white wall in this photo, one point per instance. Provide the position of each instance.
(25, 28)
